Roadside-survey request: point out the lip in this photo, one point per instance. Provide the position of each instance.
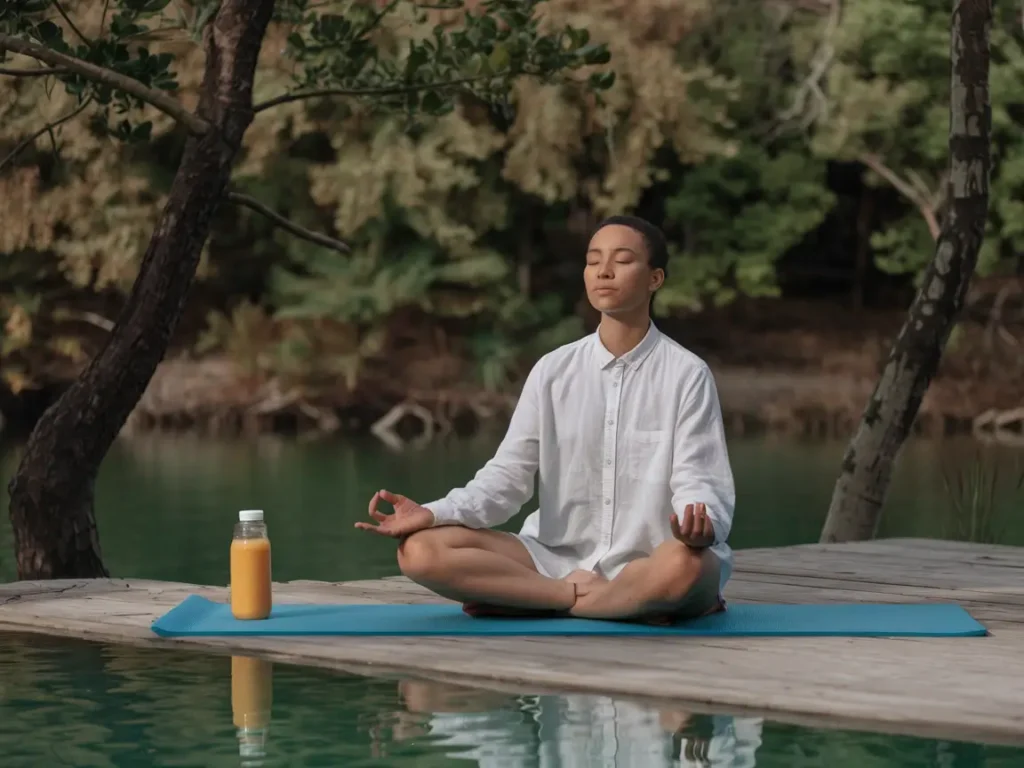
(604, 289)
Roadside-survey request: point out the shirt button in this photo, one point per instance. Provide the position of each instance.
(607, 502)
(608, 462)
(610, 422)
(615, 383)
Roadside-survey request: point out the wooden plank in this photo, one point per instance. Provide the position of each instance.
(954, 687)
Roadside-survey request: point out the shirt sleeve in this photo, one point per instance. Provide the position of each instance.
(506, 482)
(701, 471)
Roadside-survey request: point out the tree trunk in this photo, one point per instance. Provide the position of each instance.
(867, 466)
(51, 506)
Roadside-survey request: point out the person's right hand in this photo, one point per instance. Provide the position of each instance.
(407, 518)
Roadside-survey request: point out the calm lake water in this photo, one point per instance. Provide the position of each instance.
(96, 706)
(166, 506)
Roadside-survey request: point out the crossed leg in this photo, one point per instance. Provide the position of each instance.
(492, 572)
(480, 566)
(673, 583)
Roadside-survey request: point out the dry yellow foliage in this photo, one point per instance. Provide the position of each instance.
(98, 214)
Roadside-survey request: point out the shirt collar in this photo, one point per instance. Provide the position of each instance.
(635, 356)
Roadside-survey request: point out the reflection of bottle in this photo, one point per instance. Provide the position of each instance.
(252, 685)
(250, 567)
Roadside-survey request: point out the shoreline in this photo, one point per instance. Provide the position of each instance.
(789, 368)
(214, 396)
(877, 683)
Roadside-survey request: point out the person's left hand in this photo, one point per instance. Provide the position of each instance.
(695, 529)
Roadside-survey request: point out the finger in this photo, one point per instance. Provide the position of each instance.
(390, 498)
(709, 527)
(673, 521)
(375, 513)
(700, 519)
(687, 526)
(378, 529)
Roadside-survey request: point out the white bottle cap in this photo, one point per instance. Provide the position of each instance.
(250, 516)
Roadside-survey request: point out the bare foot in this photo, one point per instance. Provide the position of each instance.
(585, 581)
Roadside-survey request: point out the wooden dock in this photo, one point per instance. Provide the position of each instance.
(964, 688)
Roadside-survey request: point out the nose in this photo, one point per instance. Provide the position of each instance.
(605, 270)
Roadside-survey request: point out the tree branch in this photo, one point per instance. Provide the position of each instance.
(811, 86)
(906, 189)
(40, 72)
(70, 23)
(286, 224)
(377, 19)
(388, 90)
(48, 127)
(166, 104)
(103, 16)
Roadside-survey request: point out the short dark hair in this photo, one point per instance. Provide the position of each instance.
(654, 238)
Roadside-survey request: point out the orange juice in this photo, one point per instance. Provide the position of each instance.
(251, 692)
(250, 567)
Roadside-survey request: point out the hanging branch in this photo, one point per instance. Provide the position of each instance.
(40, 72)
(388, 90)
(909, 190)
(46, 128)
(161, 101)
(70, 23)
(287, 224)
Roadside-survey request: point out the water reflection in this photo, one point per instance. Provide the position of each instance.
(72, 703)
(573, 731)
(252, 695)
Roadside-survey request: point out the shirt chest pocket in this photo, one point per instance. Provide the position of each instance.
(647, 455)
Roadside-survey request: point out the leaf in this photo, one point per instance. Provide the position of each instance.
(143, 131)
(602, 81)
(50, 34)
(432, 102)
(595, 54)
(499, 58)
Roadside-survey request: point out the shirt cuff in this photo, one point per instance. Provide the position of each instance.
(443, 511)
(716, 525)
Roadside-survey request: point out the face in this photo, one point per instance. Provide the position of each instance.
(618, 276)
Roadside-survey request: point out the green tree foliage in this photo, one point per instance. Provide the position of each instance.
(383, 70)
(886, 95)
(466, 206)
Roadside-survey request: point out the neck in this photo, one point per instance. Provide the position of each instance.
(619, 334)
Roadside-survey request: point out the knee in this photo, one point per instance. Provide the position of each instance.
(680, 568)
(420, 555)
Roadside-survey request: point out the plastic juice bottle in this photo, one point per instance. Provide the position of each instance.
(251, 698)
(250, 567)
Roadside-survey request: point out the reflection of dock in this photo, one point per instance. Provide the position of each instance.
(955, 688)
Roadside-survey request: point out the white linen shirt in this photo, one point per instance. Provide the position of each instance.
(620, 444)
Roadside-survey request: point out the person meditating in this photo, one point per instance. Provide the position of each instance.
(623, 431)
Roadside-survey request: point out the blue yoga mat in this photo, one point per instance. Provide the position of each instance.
(196, 617)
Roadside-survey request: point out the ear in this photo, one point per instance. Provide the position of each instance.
(657, 280)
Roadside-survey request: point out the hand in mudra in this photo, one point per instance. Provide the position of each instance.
(694, 529)
(407, 518)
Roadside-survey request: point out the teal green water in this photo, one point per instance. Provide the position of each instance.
(166, 506)
(95, 706)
